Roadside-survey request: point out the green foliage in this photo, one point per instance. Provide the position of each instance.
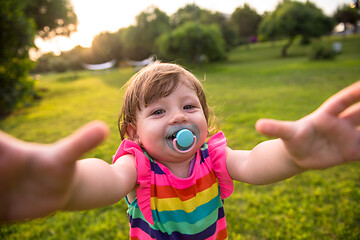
(139, 39)
(320, 50)
(106, 46)
(193, 42)
(227, 29)
(296, 18)
(51, 17)
(62, 63)
(70, 60)
(189, 13)
(17, 88)
(16, 37)
(292, 18)
(250, 85)
(267, 28)
(246, 21)
(193, 13)
(17, 34)
(19, 21)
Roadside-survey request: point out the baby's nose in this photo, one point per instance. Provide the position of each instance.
(178, 118)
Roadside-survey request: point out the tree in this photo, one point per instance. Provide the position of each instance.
(16, 38)
(106, 46)
(292, 19)
(246, 21)
(140, 38)
(51, 17)
(189, 13)
(20, 20)
(267, 29)
(193, 42)
(227, 30)
(193, 13)
(347, 15)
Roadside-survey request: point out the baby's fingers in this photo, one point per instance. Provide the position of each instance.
(83, 140)
(276, 128)
(342, 100)
(352, 114)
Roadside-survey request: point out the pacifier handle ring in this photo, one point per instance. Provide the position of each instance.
(183, 151)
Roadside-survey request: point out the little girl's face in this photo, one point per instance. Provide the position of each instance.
(180, 108)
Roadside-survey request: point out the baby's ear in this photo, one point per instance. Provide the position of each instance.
(132, 134)
(131, 131)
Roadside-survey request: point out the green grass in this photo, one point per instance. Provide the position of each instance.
(250, 85)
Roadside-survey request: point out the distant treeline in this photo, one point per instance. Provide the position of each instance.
(193, 34)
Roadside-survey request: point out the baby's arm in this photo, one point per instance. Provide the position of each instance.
(37, 179)
(327, 137)
(267, 163)
(97, 184)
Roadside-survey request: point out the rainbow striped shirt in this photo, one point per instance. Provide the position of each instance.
(168, 207)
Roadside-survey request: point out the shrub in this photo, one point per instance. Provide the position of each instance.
(321, 51)
(193, 42)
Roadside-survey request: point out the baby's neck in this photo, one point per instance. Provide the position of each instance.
(180, 169)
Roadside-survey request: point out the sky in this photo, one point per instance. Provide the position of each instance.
(96, 16)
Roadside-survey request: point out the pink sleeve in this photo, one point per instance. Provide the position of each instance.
(217, 151)
(143, 169)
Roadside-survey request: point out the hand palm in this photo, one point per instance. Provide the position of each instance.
(43, 180)
(327, 137)
(35, 179)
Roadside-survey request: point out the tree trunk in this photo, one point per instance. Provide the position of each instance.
(247, 44)
(355, 29)
(273, 42)
(286, 46)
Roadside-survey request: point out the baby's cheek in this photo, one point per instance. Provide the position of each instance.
(152, 142)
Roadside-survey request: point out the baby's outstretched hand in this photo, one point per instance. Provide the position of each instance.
(35, 178)
(327, 137)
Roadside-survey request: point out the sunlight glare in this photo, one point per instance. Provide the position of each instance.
(94, 17)
(100, 16)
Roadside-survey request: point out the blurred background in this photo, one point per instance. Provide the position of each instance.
(39, 36)
(64, 63)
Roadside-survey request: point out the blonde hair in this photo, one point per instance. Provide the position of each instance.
(152, 83)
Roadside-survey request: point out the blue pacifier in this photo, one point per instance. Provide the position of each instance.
(185, 138)
(182, 138)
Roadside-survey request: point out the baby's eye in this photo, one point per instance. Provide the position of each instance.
(158, 112)
(186, 107)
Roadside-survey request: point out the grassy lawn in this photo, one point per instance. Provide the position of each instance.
(252, 84)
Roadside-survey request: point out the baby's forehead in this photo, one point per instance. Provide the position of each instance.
(185, 81)
(186, 88)
(163, 87)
